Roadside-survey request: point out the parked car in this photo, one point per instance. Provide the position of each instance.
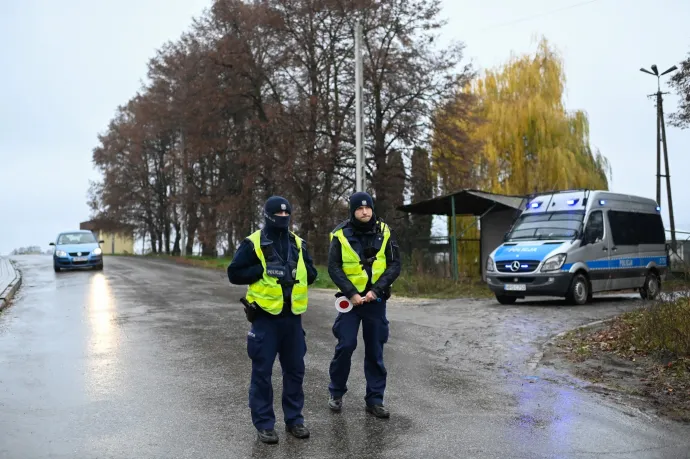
(575, 243)
(77, 250)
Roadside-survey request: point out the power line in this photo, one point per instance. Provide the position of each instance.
(545, 13)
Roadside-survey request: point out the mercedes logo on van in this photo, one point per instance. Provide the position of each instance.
(515, 266)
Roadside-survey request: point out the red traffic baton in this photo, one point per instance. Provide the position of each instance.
(342, 304)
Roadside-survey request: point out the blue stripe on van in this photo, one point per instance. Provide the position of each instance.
(620, 263)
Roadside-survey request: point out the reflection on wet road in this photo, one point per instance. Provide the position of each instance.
(148, 359)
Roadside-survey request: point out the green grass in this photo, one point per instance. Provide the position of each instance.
(664, 326)
(660, 328)
(407, 285)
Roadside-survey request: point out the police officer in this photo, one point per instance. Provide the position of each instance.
(277, 268)
(363, 261)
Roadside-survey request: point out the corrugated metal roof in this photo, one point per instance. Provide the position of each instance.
(467, 202)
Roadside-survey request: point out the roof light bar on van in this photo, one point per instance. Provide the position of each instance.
(602, 202)
(535, 205)
(658, 208)
(572, 202)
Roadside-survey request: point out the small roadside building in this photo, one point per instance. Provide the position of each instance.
(117, 239)
(494, 214)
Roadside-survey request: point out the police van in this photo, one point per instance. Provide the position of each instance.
(575, 243)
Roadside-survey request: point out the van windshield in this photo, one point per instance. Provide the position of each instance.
(551, 225)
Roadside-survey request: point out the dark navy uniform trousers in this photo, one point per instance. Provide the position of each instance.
(270, 336)
(375, 332)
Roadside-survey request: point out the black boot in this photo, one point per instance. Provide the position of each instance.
(298, 431)
(335, 403)
(267, 436)
(378, 410)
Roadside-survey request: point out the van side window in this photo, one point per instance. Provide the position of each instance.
(595, 226)
(633, 228)
(623, 227)
(651, 228)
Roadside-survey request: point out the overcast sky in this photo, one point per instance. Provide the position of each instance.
(67, 65)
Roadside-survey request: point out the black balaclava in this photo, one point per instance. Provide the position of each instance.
(357, 200)
(277, 227)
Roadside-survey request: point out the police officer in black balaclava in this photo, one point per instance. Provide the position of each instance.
(275, 265)
(364, 247)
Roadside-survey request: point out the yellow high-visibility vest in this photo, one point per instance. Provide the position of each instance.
(267, 293)
(352, 267)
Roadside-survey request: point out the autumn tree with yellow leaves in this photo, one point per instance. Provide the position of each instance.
(509, 132)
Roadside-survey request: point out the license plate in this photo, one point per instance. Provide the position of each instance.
(78, 259)
(516, 287)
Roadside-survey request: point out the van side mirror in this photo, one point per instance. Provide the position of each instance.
(101, 242)
(52, 243)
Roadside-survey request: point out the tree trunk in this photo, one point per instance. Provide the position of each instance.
(192, 226)
(176, 250)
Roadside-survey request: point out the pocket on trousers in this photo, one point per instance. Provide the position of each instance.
(336, 326)
(254, 342)
(385, 329)
(304, 332)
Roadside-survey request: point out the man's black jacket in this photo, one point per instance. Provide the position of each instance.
(246, 267)
(359, 242)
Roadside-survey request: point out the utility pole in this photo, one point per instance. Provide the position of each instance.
(668, 174)
(661, 137)
(183, 225)
(658, 147)
(359, 134)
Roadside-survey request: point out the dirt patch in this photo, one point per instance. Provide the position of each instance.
(606, 355)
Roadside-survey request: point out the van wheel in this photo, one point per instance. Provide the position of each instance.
(578, 293)
(505, 299)
(651, 288)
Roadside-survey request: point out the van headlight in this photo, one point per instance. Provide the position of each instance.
(97, 251)
(554, 263)
(61, 253)
(490, 265)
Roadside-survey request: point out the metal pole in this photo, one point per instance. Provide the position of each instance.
(658, 147)
(454, 241)
(359, 173)
(668, 177)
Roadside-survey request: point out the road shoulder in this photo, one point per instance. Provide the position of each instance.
(10, 281)
(598, 355)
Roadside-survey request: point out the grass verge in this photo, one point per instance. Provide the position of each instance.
(644, 353)
(407, 285)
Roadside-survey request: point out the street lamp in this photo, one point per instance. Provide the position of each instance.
(661, 137)
(655, 72)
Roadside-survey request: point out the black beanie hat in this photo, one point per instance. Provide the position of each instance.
(360, 199)
(273, 205)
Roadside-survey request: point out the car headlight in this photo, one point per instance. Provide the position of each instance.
(61, 253)
(97, 251)
(490, 265)
(554, 263)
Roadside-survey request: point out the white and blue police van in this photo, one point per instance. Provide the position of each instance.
(575, 243)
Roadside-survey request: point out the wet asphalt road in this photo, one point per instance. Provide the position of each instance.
(148, 359)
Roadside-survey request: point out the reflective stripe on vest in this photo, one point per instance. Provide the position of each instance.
(352, 267)
(268, 293)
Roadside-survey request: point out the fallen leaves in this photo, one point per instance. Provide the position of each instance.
(600, 353)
